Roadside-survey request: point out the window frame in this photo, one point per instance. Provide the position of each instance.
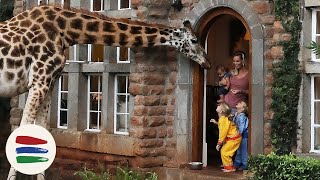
(59, 103)
(39, 2)
(100, 94)
(119, 5)
(118, 57)
(314, 32)
(313, 125)
(102, 6)
(115, 113)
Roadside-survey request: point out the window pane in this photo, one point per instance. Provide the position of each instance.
(97, 53)
(122, 87)
(124, 4)
(64, 82)
(318, 42)
(63, 118)
(97, 5)
(64, 101)
(94, 120)
(83, 52)
(95, 83)
(123, 54)
(128, 102)
(121, 123)
(121, 104)
(317, 113)
(317, 138)
(318, 22)
(317, 88)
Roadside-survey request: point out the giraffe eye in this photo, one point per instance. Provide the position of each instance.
(194, 41)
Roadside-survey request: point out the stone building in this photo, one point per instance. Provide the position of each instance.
(151, 107)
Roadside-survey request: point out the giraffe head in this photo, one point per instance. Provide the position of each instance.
(186, 41)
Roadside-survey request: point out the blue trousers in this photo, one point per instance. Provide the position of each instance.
(241, 159)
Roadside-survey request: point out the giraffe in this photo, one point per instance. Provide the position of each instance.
(32, 45)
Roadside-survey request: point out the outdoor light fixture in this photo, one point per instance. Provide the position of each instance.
(176, 4)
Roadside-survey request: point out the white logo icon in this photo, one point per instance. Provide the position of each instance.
(30, 149)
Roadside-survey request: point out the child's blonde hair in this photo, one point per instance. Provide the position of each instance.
(245, 107)
(225, 109)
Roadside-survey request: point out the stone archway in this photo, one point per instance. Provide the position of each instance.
(199, 16)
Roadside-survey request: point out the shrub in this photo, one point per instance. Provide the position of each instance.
(121, 174)
(284, 167)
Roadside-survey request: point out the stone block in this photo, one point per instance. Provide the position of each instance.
(139, 100)
(154, 79)
(153, 90)
(140, 110)
(164, 100)
(269, 79)
(171, 142)
(277, 26)
(136, 89)
(268, 103)
(173, 78)
(267, 129)
(269, 115)
(269, 32)
(170, 89)
(139, 121)
(260, 7)
(148, 162)
(152, 100)
(277, 52)
(136, 77)
(157, 110)
(286, 37)
(148, 143)
(162, 132)
(146, 133)
(268, 19)
(136, 3)
(170, 120)
(170, 132)
(155, 121)
(267, 150)
(268, 92)
(171, 152)
(171, 110)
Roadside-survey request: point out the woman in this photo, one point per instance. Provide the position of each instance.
(239, 82)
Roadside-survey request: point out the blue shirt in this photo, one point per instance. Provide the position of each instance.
(241, 120)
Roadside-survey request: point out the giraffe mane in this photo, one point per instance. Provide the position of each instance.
(104, 17)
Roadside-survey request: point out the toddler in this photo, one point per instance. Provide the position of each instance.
(224, 82)
(241, 120)
(229, 137)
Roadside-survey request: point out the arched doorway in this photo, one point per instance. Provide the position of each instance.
(223, 31)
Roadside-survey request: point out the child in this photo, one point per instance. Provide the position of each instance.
(241, 120)
(229, 137)
(224, 82)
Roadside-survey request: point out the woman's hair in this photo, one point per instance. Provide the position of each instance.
(225, 109)
(240, 54)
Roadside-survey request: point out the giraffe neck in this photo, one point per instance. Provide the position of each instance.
(79, 28)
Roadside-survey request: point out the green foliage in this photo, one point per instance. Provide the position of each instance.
(126, 174)
(314, 47)
(287, 167)
(121, 174)
(87, 174)
(287, 78)
(6, 9)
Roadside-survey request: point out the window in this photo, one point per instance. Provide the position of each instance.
(123, 55)
(94, 102)
(121, 104)
(316, 31)
(40, 2)
(97, 5)
(315, 114)
(124, 4)
(63, 101)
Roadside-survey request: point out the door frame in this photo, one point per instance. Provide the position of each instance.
(198, 88)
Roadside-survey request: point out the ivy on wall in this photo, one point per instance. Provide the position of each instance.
(6, 9)
(287, 79)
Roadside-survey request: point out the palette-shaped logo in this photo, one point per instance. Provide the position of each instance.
(30, 149)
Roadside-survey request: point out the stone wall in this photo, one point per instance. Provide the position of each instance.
(153, 84)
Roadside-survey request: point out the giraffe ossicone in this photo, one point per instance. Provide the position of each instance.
(32, 48)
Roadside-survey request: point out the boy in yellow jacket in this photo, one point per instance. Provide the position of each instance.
(229, 137)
